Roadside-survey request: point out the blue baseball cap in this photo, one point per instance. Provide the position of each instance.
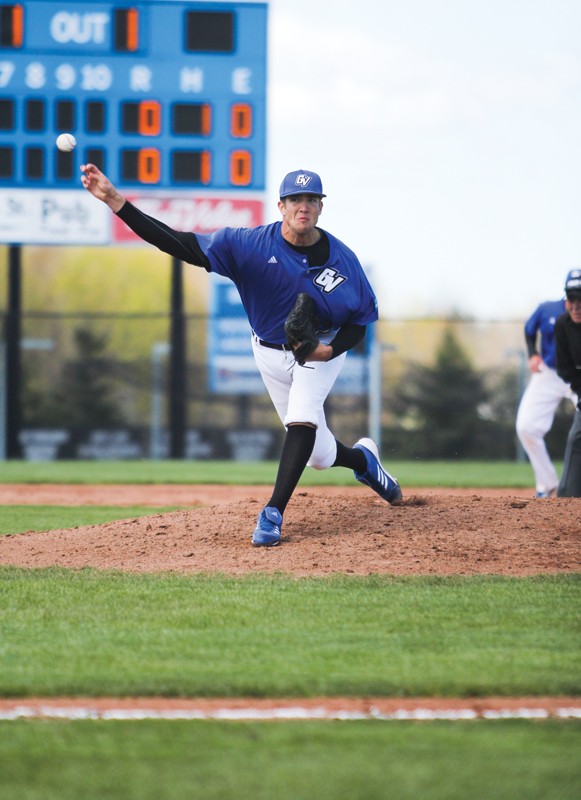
(573, 281)
(301, 182)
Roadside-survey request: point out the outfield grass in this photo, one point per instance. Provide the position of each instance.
(290, 761)
(108, 633)
(410, 473)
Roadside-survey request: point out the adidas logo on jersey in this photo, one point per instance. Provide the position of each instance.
(272, 260)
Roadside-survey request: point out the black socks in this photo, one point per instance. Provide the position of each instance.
(296, 451)
(350, 458)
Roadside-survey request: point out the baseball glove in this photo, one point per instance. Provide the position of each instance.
(301, 328)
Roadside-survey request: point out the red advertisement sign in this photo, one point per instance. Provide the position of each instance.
(200, 215)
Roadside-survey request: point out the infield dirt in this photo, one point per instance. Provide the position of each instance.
(326, 530)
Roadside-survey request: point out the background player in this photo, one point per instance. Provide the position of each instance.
(568, 339)
(542, 396)
(270, 265)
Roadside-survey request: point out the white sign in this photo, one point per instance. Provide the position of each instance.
(45, 216)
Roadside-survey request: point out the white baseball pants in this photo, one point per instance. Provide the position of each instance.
(298, 394)
(534, 419)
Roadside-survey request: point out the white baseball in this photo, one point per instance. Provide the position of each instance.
(66, 142)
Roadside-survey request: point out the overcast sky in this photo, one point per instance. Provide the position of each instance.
(448, 137)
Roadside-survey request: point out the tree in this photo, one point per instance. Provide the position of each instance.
(83, 394)
(441, 403)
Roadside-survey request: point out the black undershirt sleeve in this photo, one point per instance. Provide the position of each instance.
(347, 337)
(531, 342)
(180, 244)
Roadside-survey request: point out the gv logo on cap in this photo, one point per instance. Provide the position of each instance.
(303, 180)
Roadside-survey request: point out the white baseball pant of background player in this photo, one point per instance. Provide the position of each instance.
(298, 394)
(535, 416)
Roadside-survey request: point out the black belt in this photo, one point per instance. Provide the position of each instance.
(271, 344)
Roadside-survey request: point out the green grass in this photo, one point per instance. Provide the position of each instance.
(293, 761)
(92, 633)
(19, 519)
(409, 473)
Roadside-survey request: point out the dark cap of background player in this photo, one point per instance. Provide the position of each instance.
(573, 284)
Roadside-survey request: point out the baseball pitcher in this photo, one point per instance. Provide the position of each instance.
(308, 302)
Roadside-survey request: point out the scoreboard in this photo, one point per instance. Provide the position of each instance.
(167, 97)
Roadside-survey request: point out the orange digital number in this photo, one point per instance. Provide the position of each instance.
(126, 30)
(205, 167)
(241, 120)
(240, 168)
(206, 121)
(148, 165)
(132, 22)
(12, 26)
(149, 118)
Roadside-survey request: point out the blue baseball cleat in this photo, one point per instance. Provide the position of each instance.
(376, 477)
(267, 531)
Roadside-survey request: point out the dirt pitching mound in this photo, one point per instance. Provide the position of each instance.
(352, 532)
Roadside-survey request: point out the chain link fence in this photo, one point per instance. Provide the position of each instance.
(96, 386)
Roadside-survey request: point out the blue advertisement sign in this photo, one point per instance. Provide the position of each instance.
(230, 360)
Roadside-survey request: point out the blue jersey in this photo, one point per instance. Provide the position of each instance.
(269, 274)
(543, 321)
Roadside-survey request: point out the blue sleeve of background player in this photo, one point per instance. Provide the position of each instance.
(533, 323)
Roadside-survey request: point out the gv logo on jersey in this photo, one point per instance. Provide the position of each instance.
(329, 279)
